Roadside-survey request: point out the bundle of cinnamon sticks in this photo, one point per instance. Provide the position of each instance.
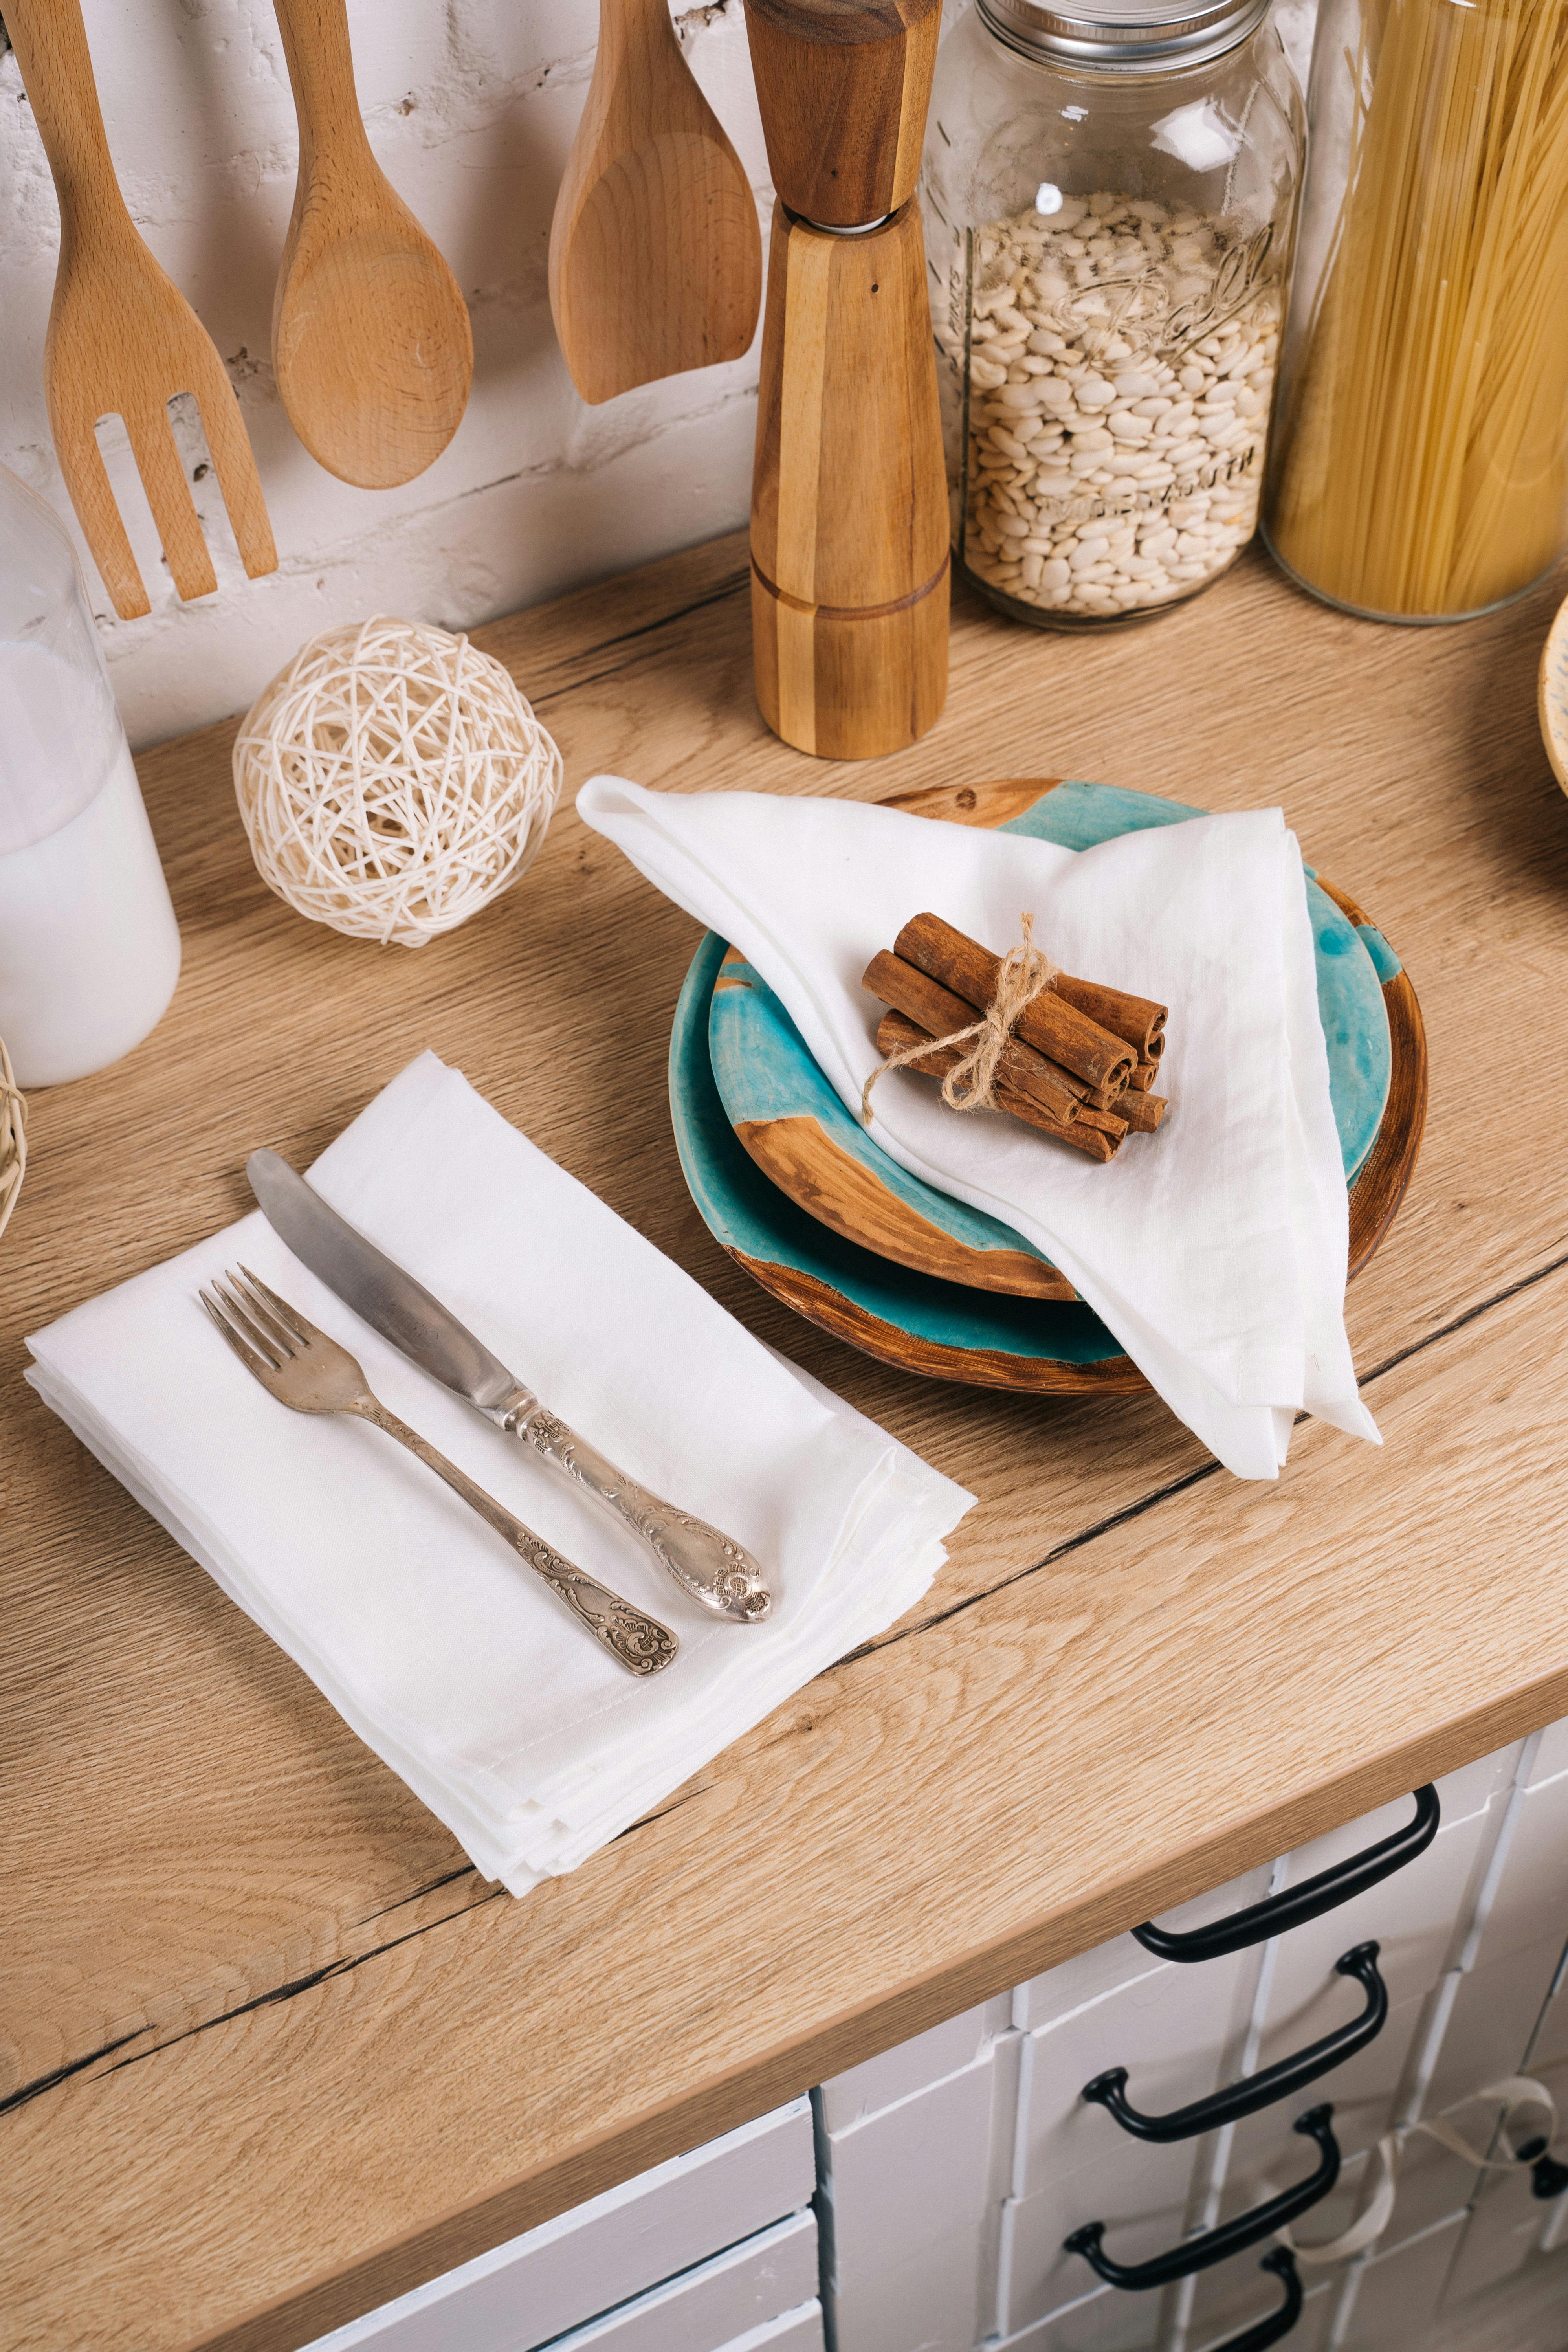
(1081, 1057)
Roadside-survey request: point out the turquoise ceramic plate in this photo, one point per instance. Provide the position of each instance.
(953, 1331)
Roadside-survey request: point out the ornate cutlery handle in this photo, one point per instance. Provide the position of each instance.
(639, 1643)
(718, 1572)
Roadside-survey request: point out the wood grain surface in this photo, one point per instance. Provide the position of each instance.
(843, 86)
(370, 340)
(271, 2050)
(655, 257)
(850, 523)
(799, 1156)
(123, 341)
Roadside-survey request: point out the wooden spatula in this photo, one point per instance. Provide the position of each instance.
(370, 341)
(123, 341)
(655, 258)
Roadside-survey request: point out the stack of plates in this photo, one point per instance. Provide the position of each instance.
(797, 1192)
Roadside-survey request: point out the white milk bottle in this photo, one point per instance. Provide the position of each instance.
(88, 948)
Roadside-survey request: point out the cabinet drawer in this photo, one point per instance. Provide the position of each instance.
(1227, 2299)
(1105, 2321)
(1502, 2231)
(911, 2066)
(1178, 2032)
(916, 2191)
(797, 2331)
(1495, 2014)
(1393, 2302)
(1093, 1974)
(551, 2279)
(1209, 2332)
(1529, 1903)
(759, 2292)
(1417, 1918)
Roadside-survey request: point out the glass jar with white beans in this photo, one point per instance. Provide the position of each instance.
(1109, 198)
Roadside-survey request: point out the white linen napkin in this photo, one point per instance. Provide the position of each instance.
(1215, 1250)
(445, 1653)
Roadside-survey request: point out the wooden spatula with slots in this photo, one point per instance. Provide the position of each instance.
(371, 339)
(122, 340)
(656, 259)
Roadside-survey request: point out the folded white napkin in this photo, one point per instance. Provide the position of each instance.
(1214, 1250)
(435, 1643)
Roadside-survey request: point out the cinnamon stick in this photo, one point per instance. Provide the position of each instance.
(895, 1031)
(1141, 1112)
(1136, 1019)
(1144, 1075)
(1052, 1025)
(939, 1014)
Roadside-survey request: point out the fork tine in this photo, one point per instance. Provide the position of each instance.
(285, 1339)
(234, 463)
(169, 495)
(303, 1333)
(248, 1356)
(243, 1317)
(86, 479)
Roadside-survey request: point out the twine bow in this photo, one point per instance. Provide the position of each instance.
(1025, 972)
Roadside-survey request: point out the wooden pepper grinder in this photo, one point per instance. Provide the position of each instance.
(849, 517)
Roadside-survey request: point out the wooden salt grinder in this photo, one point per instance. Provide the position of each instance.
(849, 517)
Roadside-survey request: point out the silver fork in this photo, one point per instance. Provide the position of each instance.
(310, 1374)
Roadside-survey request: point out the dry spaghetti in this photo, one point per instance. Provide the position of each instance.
(1422, 468)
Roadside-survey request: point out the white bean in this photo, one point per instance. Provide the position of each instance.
(1099, 419)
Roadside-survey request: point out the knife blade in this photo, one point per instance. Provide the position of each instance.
(715, 1571)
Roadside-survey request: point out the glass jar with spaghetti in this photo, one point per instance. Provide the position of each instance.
(1109, 202)
(1421, 465)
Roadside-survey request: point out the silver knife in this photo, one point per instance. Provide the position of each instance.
(718, 1572)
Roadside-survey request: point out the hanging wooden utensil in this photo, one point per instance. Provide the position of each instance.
(370, 340)
(850, 516)
(656, 259)
(122, 340)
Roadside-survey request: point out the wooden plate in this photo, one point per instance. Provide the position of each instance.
(984, 1337)
(788, 1118)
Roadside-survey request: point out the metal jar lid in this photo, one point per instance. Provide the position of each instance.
(1123, 36)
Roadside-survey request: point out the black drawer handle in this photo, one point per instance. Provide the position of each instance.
(1294, 1905)
(1217, 2245)
(1263, 2332)
(1280, 2081)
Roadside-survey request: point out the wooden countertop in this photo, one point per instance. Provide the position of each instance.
(274, 2053)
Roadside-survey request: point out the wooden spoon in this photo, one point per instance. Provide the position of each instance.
(655, 258)
(370, 340)
(123, 341)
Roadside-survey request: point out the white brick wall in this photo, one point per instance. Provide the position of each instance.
(470, 107)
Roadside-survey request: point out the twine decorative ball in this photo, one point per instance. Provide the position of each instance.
(13, 1138)
(393, 781)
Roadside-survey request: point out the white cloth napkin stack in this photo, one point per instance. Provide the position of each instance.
(1215, 1250)
(447, 1656)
